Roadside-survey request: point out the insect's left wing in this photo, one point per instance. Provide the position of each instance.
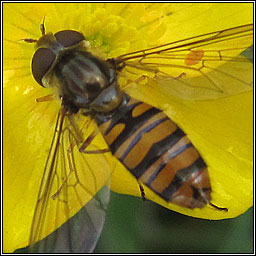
(208, 66)
(72, 182)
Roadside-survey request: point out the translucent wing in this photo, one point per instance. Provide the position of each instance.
(81, 232)
(203, 67)
(69, 181)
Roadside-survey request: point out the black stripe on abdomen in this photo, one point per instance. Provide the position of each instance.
(131, 125)
(181, 177)
(156, 151)
(140, 134)
(163, 163)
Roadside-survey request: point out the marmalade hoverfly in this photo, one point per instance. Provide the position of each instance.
(147, 142)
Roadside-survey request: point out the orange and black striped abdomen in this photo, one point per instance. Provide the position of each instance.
(158, 153)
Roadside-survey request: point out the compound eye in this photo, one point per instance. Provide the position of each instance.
(69, 38)
(41, 63)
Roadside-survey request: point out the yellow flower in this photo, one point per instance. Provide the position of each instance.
(221, 129)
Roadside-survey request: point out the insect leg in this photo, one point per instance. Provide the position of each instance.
(142, 192)
(85, 143)
(138, 80)
(88, 141)
(218, 208)
(181, 75)
(49, 97)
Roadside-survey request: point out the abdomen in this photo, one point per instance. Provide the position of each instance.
(158, 153)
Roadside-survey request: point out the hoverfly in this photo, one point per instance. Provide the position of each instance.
(147, 142)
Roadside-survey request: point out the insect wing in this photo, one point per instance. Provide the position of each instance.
(69, 182)
(208, 66)
(81, 232)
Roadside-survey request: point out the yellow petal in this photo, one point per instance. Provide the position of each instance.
(115, 29)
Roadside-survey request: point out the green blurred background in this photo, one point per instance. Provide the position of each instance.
(134, 226)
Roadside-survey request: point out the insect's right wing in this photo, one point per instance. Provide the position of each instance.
(207, 66)
(74, 192)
